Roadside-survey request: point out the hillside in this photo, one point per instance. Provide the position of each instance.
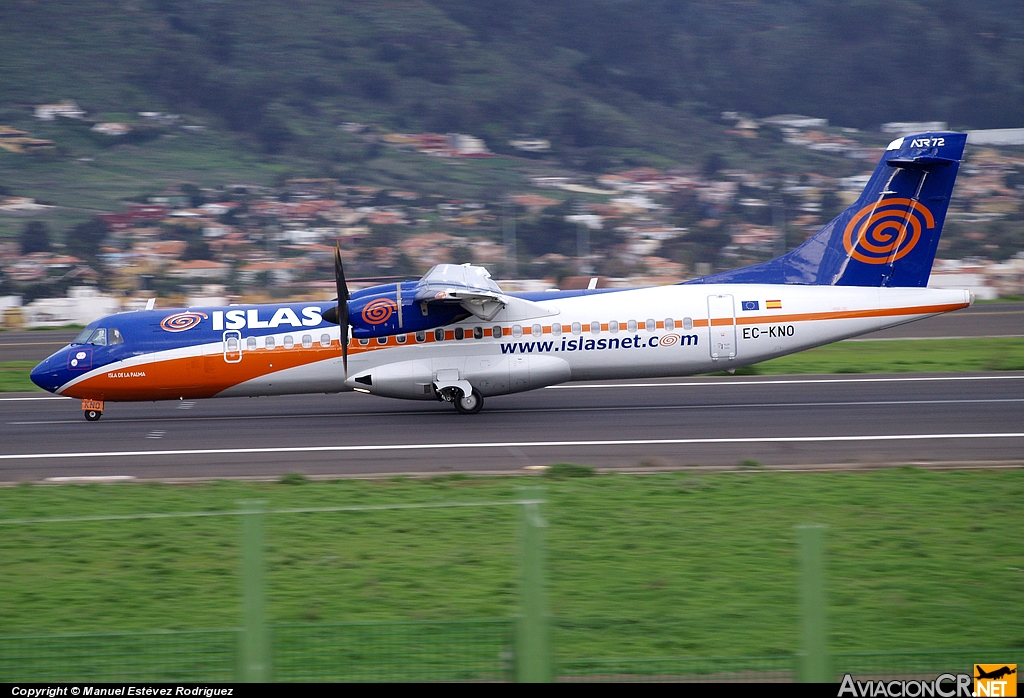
(265, 88)
(586, 74)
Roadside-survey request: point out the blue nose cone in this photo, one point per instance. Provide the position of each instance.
(45, 376)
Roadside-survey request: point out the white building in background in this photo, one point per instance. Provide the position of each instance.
(909, 128)
(795, 121)
(112, 128)
(956, 273)
(82, 305)
(49, 112)
(996, 136)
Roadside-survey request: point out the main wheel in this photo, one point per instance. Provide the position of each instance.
(469, 404)
(93, 415)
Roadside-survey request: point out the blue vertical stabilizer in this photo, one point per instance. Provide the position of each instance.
(889, 236)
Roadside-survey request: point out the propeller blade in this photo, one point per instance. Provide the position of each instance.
(342, 311)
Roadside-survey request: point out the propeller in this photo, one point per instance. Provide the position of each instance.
(339, 313)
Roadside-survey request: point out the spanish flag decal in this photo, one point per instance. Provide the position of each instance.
(773, 305)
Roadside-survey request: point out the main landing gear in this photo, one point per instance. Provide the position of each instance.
(464, 404)
(93, 415)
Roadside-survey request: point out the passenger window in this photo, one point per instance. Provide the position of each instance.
(478, 333)
(307, 341)
(382, 340)
(268, 342)
(325, 340)
(250, 344)
(439, 335)
(401, 338)
(232, 344)
(613, 326)
(362, 342)
(517, 331)
(421, 336)
(631, 325)
(460, 333)
(115, 336)
(556, 329)
(576, 328)
(99, 338)
(670, 324)
(651, 325)
(595, 327)
(288, 341)
(496, 331)
(687, 323)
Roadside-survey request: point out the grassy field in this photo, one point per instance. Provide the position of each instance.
(638, 566)
(14, 376)
(927, 355)
(900, 356)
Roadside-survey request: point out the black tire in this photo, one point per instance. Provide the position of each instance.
(93, 415)
(469, 404)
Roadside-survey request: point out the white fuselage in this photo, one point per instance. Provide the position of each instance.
(642, 333)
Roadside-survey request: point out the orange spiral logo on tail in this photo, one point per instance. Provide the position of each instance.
(378, 311)
(884, 232)
(179, 322)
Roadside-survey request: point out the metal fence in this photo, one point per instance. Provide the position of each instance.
(171, 655)
(495, 649)
(465, 650)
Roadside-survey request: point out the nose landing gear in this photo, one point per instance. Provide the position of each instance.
(92, 409)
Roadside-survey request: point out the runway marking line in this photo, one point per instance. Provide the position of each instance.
(512, 444)
(531, 410)
(809, 381)
(787, 381)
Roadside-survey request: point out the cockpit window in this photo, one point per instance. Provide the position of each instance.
(115, 336)
(83, 336)
(99, 337)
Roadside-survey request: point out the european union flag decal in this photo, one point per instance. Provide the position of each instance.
(750, 305)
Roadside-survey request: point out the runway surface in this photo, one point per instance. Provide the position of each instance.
(801, 421)
(988, 320)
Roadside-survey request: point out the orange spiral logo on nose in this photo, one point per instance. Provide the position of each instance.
(179, 322)
(884, 232)
(378, 311)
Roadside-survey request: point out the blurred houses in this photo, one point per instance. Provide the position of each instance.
(82, 305)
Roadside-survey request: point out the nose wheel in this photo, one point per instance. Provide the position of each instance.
(93, 415)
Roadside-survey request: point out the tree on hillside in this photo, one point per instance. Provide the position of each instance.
(84, 239)
(35, 237)
(549, 232)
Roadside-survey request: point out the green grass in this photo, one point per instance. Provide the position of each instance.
(902, 356)
(14, 376)
(638, 566)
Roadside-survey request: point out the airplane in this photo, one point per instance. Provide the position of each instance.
(455, 336)
(994, 674)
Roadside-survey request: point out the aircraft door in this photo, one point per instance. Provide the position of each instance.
(722, 327)
(232, 346)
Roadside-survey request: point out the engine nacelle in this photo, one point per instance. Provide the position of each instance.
(390, 309)
(491, 375)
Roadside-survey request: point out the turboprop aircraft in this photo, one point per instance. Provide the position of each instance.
(455, 336)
